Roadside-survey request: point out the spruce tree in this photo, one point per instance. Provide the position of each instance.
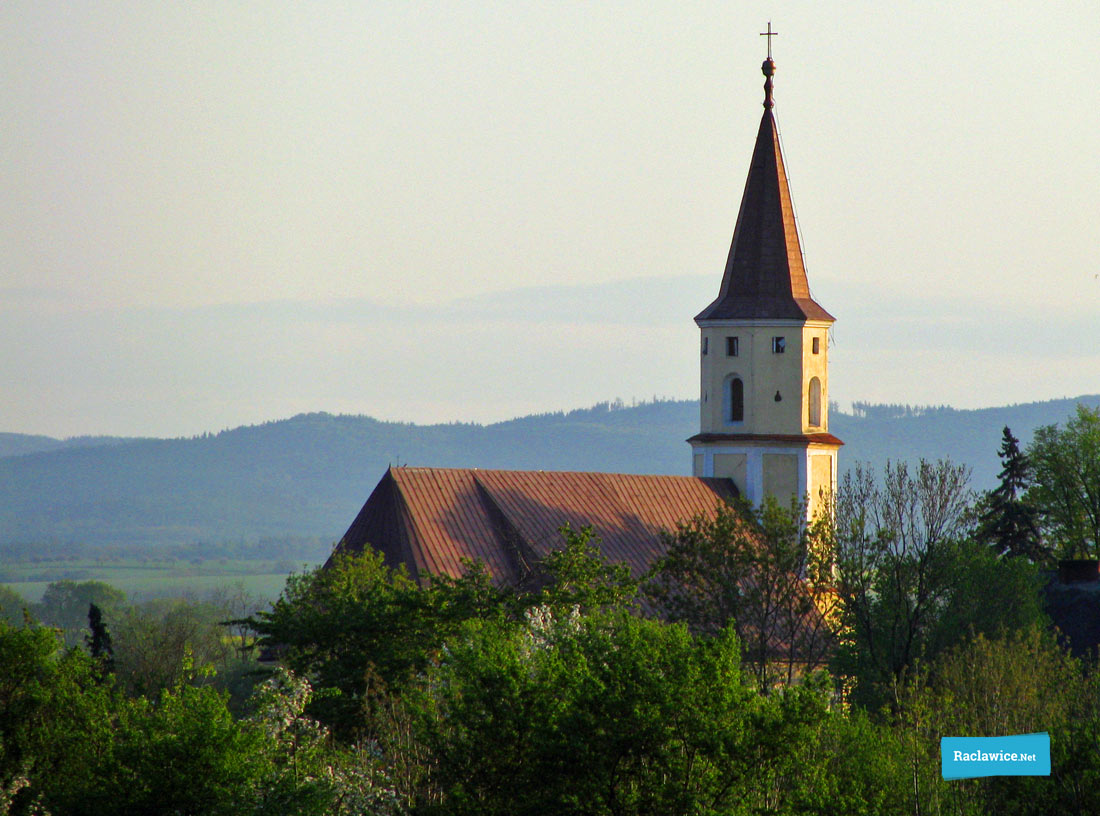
(99, 640)
(1009, 522)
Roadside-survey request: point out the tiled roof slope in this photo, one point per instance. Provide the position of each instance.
(765, 277)
(431, 518)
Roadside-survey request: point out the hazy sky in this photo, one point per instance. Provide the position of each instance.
(214, 214)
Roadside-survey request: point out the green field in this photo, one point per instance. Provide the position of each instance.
(146, 579)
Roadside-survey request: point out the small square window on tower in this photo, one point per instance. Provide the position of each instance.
(779, 345)
(817, 345)
(732, 346)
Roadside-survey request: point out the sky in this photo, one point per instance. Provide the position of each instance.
(215, 214)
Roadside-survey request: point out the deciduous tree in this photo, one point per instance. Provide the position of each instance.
(909, 579)
(1067, 483)
(65, 604)
(754, 569)
(359, 628)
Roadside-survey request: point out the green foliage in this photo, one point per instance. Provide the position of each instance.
(365, 631)
(848, 766)
(1066, 489)
(180, 753)
(65, 605)
(580, 714)
(577, 575)
(753, 568)
(613, 714)
(71, 743)
(362, 629)
(54, 713)
(909, 580)
(1020, 682)
(988, 595)
(308, 774)
(13, 606)
(153, 642)
(1009, 522)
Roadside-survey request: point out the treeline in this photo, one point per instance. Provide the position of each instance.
(157, 632)
(875, 410)
(287, 548)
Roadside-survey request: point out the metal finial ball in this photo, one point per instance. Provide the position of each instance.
(768, 68)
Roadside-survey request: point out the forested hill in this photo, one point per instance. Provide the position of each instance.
(308, 476)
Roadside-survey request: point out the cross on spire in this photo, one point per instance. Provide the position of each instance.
(769, 34)
(768, 67)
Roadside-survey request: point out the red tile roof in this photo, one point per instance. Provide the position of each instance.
(431, 518)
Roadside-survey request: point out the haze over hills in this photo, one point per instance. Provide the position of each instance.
(307, 476)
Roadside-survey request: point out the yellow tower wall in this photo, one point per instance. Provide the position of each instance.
(764, 373)
(781, 477)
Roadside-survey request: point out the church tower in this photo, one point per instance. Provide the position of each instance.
(764, 418)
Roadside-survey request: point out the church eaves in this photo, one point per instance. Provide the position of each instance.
(765, 278)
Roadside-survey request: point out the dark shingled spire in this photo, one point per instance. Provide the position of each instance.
(765, 278)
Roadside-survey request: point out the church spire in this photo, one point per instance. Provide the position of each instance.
(764, 349)
(765, 277)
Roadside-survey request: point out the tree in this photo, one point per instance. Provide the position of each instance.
(180, 752)
(153, 642)
(754, 569)
(99, 640)
(55, 715)
(65, 604)
(1016, 683)
(577, 575)
(70, 742)
(1066, 489)
(615, 714)
(13, 606)
(1009, 523)
(909, 581)
(597, 715)
(364, 630)
(307, 773)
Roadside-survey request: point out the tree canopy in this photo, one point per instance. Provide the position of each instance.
(1066, 488)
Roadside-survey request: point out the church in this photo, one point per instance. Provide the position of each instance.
(763, 425)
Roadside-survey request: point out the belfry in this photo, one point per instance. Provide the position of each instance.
(764, 351)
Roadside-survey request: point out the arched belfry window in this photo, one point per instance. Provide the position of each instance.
(736, 400)
(814, 402)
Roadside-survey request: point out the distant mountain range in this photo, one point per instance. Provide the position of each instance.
(308, 476)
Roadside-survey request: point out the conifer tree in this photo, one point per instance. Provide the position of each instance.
(99, 640)
(1009, 521)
